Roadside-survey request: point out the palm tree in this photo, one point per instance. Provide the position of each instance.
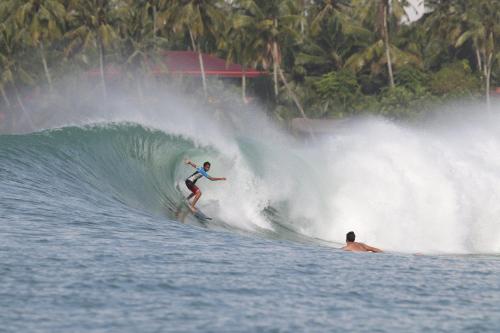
(6, 76)
(334, 36)
(138, 38)
(5, 65)
(11, 69)
(323, 10)
(461, 22)
(91, 25)
(238, 44)
(378, 14)
(242, 42)
(145, 13)
(274, 24)
(39, 22)
(201, 20)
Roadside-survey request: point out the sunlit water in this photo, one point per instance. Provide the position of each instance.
(94, 236)
(117, 271)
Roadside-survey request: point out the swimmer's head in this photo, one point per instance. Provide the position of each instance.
(206, 166)
(350, 237)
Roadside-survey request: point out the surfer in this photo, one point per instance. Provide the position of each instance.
(353, 246)
(191, 181)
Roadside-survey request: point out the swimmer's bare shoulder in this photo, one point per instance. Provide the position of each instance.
(360, 247)
(371, 248)
(352, 245)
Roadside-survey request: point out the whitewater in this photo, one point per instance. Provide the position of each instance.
(93, 238)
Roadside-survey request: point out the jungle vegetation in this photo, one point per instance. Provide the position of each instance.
(325, 58)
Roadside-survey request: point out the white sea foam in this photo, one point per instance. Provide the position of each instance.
(429, 187)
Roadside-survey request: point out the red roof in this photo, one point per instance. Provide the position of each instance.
(187, 63)
(110, 72)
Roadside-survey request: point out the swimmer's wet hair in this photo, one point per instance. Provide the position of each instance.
(206, 163)
(350, 237)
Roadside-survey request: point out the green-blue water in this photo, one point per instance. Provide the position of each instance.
(91, 241)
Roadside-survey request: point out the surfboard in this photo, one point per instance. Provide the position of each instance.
(201, 216)
(198, 213)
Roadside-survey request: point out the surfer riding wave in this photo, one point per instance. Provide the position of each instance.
(191, 181)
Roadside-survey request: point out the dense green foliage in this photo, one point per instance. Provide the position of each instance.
(326, 57)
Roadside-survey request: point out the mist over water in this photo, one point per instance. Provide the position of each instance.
(427, 188)
(430, 187)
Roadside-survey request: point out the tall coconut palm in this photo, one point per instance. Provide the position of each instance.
(39, 23)
(275, 24)
(91, 26)
(147, 12)
(445, 24)
(4, 59)
(484, 30)
(378, 14)
(6, 77)
(10, 68)
(470, 24)
(334, 35)
(137, 31)
(201, 20)
(240, 44)
(239, 49)
(139, 41)
(324, 10)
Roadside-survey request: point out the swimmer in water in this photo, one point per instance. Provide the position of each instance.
(353, 246)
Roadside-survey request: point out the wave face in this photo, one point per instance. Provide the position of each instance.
(429, 188)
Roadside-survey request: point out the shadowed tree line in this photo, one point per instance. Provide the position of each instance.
(324, 57)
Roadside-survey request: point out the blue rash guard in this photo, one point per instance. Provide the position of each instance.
(200, 172)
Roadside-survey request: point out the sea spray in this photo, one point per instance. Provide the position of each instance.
(423, 187)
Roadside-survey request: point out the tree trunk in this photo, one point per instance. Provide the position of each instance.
(292, 94)
(387, 48)
(101, 68)
(154, 27)
(46, 67)
(9, 124)
(23, 109)
(275, 68)
(488, 68)
(479, 63)
(244, 85)
(203, 76)
(4, 96)
(303, 14)
(196, 48)
(276, 60)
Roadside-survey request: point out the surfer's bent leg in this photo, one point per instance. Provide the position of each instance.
(196, 197)
(192, 187)
(195, 192)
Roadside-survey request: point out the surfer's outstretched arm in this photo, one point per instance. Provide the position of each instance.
(188, 162)
(217, 178)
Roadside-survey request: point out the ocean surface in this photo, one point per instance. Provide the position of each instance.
(94, 235)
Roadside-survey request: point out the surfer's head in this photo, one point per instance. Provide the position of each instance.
(206, 166)
(350, 237)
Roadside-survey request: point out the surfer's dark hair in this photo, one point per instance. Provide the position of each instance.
(206, 163)
(350, 237)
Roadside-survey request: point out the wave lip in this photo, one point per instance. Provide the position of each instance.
(402, 188)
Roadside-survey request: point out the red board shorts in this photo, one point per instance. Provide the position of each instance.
(192, 187)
